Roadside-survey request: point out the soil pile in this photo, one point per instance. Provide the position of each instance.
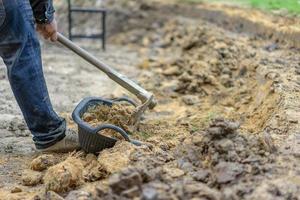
(209, 164)
(208, 62)
(212, 72)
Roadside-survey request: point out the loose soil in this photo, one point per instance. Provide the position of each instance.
(118, 114)
(225, 127)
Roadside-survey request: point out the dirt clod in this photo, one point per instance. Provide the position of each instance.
(129, 182)
(220, 128)
(116, 158)
(65, 175)
(16, 190)
(226, 171)
(43, 162)
(31, 178)
(94, 171)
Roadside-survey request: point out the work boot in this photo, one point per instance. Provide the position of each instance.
(69, 143)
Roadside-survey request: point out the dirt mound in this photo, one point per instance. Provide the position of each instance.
(117, 114)
(212, 72)
(207, 63)
(199, 167)
(226, 153)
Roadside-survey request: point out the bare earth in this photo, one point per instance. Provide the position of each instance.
(226, 125)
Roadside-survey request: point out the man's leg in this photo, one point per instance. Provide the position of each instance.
(20, 50)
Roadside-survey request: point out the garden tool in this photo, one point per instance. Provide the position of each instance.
(144, 96)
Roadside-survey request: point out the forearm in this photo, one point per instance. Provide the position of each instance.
(43, 10)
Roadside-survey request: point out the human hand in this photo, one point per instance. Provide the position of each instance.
(48, 31)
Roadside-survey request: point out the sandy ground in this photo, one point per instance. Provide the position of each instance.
(226, 125)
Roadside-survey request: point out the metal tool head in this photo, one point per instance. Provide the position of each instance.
(140, 110)
(150, 102)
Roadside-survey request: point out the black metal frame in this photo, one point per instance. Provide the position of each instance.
(101, 35)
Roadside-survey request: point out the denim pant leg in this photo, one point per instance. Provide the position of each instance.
(20, 51)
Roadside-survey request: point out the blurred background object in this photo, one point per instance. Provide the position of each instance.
(74, 11)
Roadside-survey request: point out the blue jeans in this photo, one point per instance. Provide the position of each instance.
(20, 51)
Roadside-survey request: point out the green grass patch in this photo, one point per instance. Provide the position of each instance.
(292, 6)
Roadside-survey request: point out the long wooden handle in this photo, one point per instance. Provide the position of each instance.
(122, 80)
